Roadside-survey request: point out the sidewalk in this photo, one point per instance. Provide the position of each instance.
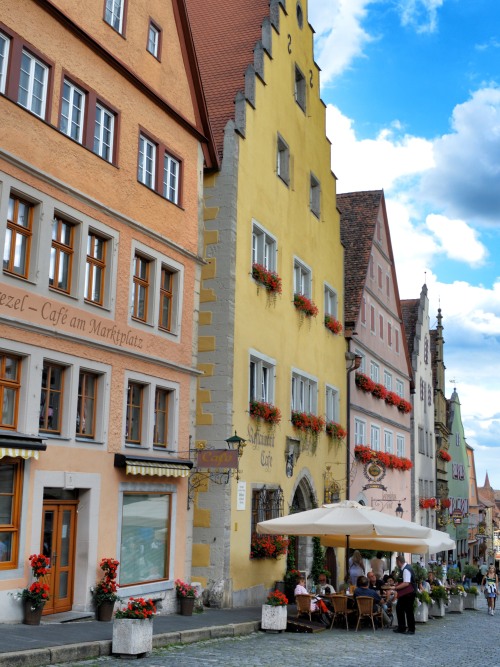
(50, 643)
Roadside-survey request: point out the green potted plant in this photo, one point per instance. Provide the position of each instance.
(423, 602)
(274, 612)
(104, 593)
(35, 595)
(133, 628)
(470, 602)
(187, 596)
(439, 596)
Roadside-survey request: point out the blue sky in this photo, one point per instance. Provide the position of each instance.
(412, 89)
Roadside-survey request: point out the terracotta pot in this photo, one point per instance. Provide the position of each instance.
(104, 611)
(32, 616)
(187, 606)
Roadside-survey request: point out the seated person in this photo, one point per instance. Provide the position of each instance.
(317, 604)
(324, 587)
(373, 582)
(344, 586)
(362, 589)
(433, 580)
(390, 596)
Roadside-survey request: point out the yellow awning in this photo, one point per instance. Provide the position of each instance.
(159, 469)
(15, 452)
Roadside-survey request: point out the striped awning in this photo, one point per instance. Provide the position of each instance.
(156, 469)
(18, 452)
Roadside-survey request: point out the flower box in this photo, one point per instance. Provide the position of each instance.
(132, 637)
(269, 279)
(437, 609)
(305, 305)
(335, 431)
(364, 383)
(471, 601)
(456, 604)
(265, 411)
(422, 613)
(379, 391)
(404, 406)
(268, 546)
(333, 325)
(307, 422)
(273, 618)
(366, 454)
(443, 455)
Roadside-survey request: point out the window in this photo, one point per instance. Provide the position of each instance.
(304, 393)
(61, 255)
(167, 287)
(18, 237)
(10, 385)
(133, 427)
(359, 432)
(51, 398)
(315, 196)
(400, 389)
(86, 406)
(379, 276)
(372, 319)
(301, 279)
(387, 285)
(283, 160)
(421, 442)
(372, 274)
(72, 111)
(147, 162)
(33, 84)
(400, 445)
(332, 404)
(154, 34)
(381, 326)
(396, 340)
(4, 57)
(11, 471)
(363, 310)
(113, 14)
(374, 371)
(95, 269)
(141, 287)
(266, 504)
(387, 380)
(389, 441)
(330, 301)
(160, 431)
(263, 248)
(171, 179)
(104, 132)
(300, 88)
(261, 379)
(389, 334)
(375, 437)
(145, 559)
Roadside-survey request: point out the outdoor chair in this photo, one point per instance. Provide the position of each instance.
(341, 609)
(365, 610)
(303, 603)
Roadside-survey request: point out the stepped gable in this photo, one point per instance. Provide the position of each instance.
(409, 310)
(358, 219)
(225, 36)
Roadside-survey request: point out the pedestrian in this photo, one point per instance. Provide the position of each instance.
(489, 585)
(406, 590)
(356, 567)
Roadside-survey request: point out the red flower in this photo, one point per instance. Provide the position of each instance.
(445, 503)
(39, 564)
(404, 406)
(443, 455)
(269, 279)
(364, 382)
(265, 411)
(332, 324)
(334, 430)
(305, 305)
(277, 599)
(392, 398)
(268, 546)
(366, 454)
(307, 422)
(379, 391)
(137, 608)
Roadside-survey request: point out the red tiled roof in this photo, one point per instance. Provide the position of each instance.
(358, 218)
(225, 35)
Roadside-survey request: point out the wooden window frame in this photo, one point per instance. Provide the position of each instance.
(94, 262)
(60, 249)
(5, 62)
(13, 528)
(130, 411)
(48, 392)
(166, 295)
(83, 395)
(141, 283)
(13, 385)
(161, 391)
(159, 33)
(73, 88)
(160, 152)
(26, 232)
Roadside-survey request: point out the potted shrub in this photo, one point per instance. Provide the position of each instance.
(187, 596)
(439, 598)
(35, 595)
(457, 596)
(133, 628)
(423, 601)
(470, 602)
(104, 592)
(274, 612)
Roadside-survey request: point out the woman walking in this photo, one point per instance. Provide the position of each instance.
(489, 585)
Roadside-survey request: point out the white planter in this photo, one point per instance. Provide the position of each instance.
(438, 609)
(132, 636)
(456, 605)
(422, 613)
(273, 618)
(470, 602)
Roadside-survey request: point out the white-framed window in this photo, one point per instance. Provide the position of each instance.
(362, 365)
(400, 445)
(113, 14)
(331, 301)
(363, 311)
(389, 441)
(400, 388)
(388, 380)
(302, 278)
(104, 132)
(262, 373)
(374, 371)
(154, 40)
(300, 88)
(147, 162)
(359, 432)
(264, 248)
(304, 393)
(421, 442)
(72, 111)
(332, 403)
(4, 59)
(375, 437)
(283, 160)
(315, 195)
(171, 178)
(33, 84)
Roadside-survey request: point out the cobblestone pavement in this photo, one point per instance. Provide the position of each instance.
(457, 640)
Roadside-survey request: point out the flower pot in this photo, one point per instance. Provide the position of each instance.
(456, 605)
(132, 637)
(104, 611)
(273, 618)
(438, 609)
(422, 613)
(187, 606)
(470, 601)
(32, 616)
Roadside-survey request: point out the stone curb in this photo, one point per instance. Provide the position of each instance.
(94, 649)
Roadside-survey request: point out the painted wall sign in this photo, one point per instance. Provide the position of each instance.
(374, 471)
(241, 496)
(217, 458)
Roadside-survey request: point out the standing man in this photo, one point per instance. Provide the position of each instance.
(406, 590)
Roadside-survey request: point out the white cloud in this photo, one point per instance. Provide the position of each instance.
(457, 239)
(420, 14)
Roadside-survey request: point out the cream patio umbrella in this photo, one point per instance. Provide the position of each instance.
(436, 542)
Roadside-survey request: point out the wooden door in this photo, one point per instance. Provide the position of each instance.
(58, 544)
